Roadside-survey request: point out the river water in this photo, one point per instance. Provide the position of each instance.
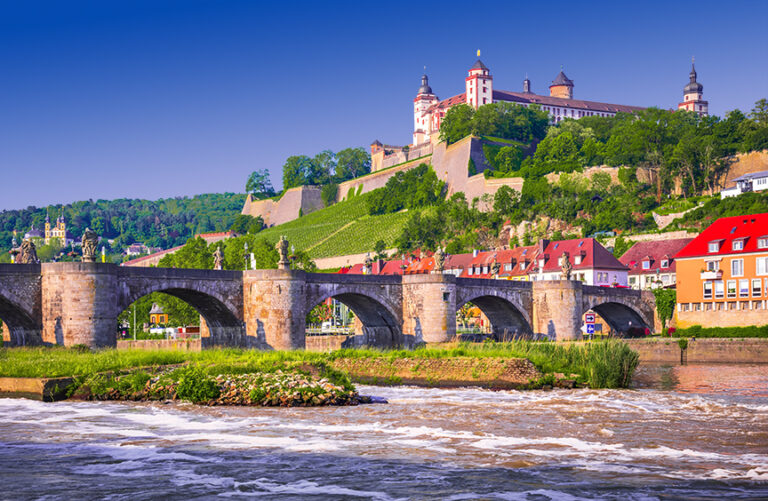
(693, 432)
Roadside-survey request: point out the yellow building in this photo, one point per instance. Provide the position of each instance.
(157, 316)
(58, 231)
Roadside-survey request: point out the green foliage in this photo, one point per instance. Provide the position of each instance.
(328, 194)
(722, 332)
(325, 167)
(259, 185)
(180, 314)
(471, 168)
(621, 246)
(352, 163)
(744, 204)
(457, 123)
(506, 200)
(195, 385)
(297, 171)
(501, 120)
(682, 343)
(163, 223)
(414, 188)
(247, 224)
(665, 304)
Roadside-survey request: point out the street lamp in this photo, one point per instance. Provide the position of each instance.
(246, 255)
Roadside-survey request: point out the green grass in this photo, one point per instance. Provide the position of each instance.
(680, 205)
(604, 364)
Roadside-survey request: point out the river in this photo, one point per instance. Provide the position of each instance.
(693, 432)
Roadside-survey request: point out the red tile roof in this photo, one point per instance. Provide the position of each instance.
(656, 252)
(522, 97)
(726, 230)
(594, 255)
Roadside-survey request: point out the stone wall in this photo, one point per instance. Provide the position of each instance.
(745, 163)
(376, 179)
(722, 318)
(667, 351)
(303, 199)
(654, 237)
(160, 344)
(554, 177)
(329, 343)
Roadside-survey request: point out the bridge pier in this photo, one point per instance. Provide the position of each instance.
(274, 309)
(557, 309)
(429, 308)
(79, 304)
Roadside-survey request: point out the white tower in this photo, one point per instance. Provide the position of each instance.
(693, 95)
(422, 119)
(479, 84)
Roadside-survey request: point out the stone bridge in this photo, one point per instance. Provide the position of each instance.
(78, 303)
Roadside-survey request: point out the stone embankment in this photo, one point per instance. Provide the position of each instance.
(496, 373)
(708, 350)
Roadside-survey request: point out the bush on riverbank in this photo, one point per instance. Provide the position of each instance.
(721, 332)
(293, 387)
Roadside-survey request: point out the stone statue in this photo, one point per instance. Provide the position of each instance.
(368, 264)
(282, 249)
(439, 260)
(89, 241)
(28, 254)
(218, 259)
(567, 268)
(495, 268)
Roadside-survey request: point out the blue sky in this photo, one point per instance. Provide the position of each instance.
(159, 99)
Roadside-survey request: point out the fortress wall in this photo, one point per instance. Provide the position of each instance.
(554, 177)
(303, 198)
(745, 163)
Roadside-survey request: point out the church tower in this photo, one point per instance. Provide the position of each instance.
(693, 95)
(561, 86)
(422, 120)
(47, 239)
(479, 85)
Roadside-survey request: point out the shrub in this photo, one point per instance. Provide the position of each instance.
(721, 332)
(328, 194)
(195, 385)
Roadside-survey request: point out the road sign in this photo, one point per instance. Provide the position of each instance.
(590, 328)
(589, 318)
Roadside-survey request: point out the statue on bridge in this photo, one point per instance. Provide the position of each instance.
(439, 260)
(495, 268)
(89, 241)
(567, 268)
(368, 264)
(28, 254)
(282, 249)
(218, 259)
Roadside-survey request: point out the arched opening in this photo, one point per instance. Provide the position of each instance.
(351, 320)
(495, 318)
(177, 313)
(18, 328)
(622, 320)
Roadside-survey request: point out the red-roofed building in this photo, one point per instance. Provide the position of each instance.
(591, 263)
(722, 275)
(652, 264)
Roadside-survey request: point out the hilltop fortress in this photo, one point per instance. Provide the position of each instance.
(452, 163)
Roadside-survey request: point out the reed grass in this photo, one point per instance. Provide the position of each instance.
(603, 364)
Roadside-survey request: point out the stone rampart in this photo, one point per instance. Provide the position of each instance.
(295, 201)
(732, 317)
(702, 350)
(375, 180)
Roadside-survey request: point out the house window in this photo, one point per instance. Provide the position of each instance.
(577, 259)
(762, 265)
(646, 265)
(665, 263)
(757, 290)
(738, 245)
(508, 267)
(737, 268)
(713, 265)
(714, 246)
(743, 288)
(485, 269)
(522, 266)
(719, 289)
(731, 288)
(707, 290)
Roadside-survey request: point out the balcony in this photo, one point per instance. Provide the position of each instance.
(712, 275)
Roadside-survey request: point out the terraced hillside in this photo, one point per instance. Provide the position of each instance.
(343, 228)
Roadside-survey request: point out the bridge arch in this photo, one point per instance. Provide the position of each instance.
(21, 327)
(619, 312)
(505, 312)
(221, 313)
(20, 298)
(380, 319)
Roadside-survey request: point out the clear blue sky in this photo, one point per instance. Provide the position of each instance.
(111, 99)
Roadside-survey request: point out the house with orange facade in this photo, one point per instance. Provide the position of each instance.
(722, 275)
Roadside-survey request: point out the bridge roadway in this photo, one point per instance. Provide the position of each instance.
(78, 303)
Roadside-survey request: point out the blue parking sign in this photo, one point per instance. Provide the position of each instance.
(590, 328)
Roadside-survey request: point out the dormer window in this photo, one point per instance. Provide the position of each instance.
(738, 244)
(541, 263)
(665, 263)
(646, 264)
(522, 266)
(714, 246)
(762, 242)
(577, 259)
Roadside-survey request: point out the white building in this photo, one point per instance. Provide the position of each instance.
(754, 181)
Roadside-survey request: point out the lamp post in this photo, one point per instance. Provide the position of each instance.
(246, 255)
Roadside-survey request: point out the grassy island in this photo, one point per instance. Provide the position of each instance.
(248, 377)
